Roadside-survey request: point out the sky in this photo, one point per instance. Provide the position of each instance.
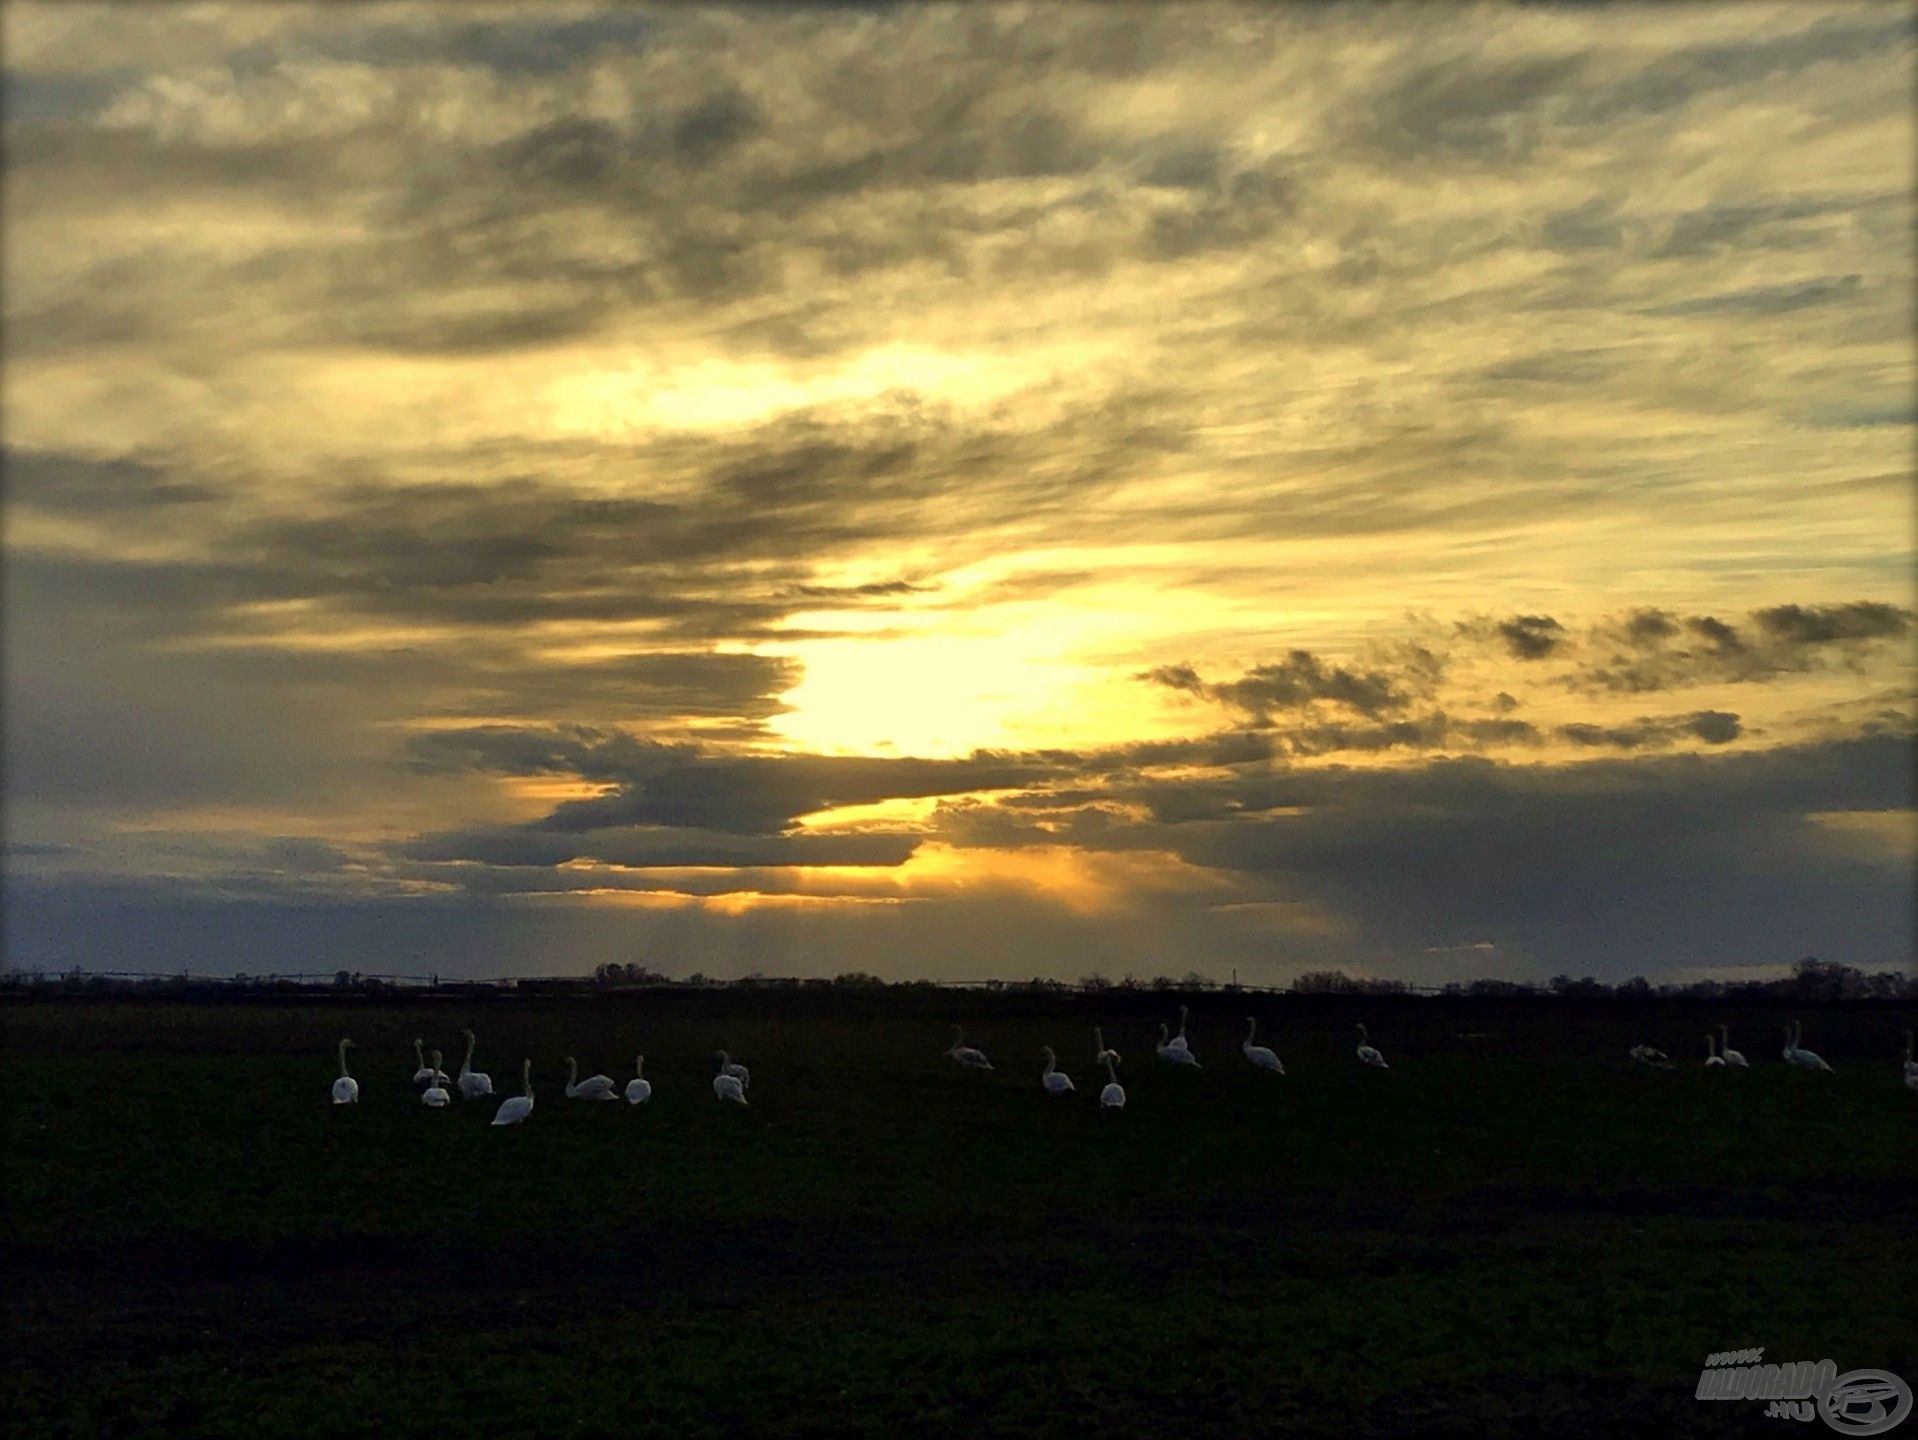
(962, 492)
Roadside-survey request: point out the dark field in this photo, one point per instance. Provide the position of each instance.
(1508, 1233)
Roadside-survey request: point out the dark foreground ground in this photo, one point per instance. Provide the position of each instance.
(1508, 1233)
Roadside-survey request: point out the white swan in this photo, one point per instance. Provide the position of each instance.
(1712, 1057)
(1056, 1081)
(1911, 1065)
(472, 1083)
(516, 1109)
(727, 1087)
(729, 1066)
(593, 1087)
(1113, 1096)
(967, 1056)
(1648, 1055)
(1368, 1054)
(435, 1095)
(1169, 1051)
(1260, 1056)
(1099, 1050)
(1730, 1056)
(639, 1089)
(1796, 1054)
(1178, 1042)
(346, 1090)
(427, 1074)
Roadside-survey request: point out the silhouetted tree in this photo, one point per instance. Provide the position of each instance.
(1324, 982)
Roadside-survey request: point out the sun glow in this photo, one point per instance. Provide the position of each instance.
(714, 394)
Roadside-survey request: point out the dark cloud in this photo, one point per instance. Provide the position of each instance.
(582, 750)
(1801, 626)
(512, 46)
(873, 590)
(762, 796)
(1609, 864)
(71, 484)
(1671, 82)
(1658, 650)
(1714, 727)
(638, 847)
(1767, 299)
(713, 126)
(680, 786)
(1530, 637)
(1460, 108)
(1303, 679)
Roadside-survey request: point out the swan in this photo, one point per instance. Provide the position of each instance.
(1796, 1054)
(1368, 1054)
(639, 1089)
(967, 1056)
(516, 1109)
(435, 1095)
(346, 1090)
(1712, 1057)
(1178, 1056)
(473, 1084)
(1113, 1096)
(1178, 1041)
(1100, 1052)
(1731, 1056)
(1911, 1065)
(593, 1087)
(1648, 1055)
(1056, 1081)
(727, 1087)
(1258, 1054)
(728, 1066)
(427, 1074)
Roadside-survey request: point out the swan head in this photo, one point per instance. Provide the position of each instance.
(467, 1034)
(436, 1060)
(1164, 1030)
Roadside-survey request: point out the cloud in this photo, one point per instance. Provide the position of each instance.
(1654, 649)
(654, 848)
(1714, 727)
(1603, 864)
(1531, 637)
(423, 419)
(1303, 679)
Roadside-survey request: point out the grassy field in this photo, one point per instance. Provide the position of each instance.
(1508, 1233)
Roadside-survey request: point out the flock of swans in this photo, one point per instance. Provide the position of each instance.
(1719, 1053)
(731, 1079)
